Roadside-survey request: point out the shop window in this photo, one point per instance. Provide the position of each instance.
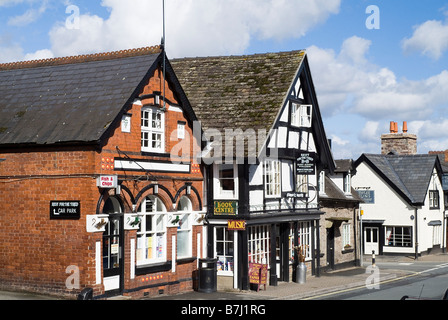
(184, 237)
(152, 130)
(271, 169)
(398, 236)
(151, 236)
(304, 237)
(224, 250)
(225, 181)
(259, 244)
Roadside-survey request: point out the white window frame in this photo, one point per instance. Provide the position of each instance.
(259, 247)
(149, 128)
(142, 233)
(347, 182)
(185, 211)
(181, 130)
(322, 182)
(346, 239)
(304, 237)
(272, 178)
(301, 115)
(302, 183)
(434, 199)
(392, 236)
(218, 191)
(225, 268)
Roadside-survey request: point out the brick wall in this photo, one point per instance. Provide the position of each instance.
(35, 251)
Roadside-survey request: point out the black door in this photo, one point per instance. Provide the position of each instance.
(113, 254)
(330, 247)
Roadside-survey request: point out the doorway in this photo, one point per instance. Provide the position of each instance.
(113, 248)
(371, 240)
(330, 248)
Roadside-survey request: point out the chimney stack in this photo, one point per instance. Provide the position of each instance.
(398, 143)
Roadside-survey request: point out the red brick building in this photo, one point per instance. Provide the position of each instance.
(90, 196)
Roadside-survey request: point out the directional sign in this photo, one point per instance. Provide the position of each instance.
(65, 210)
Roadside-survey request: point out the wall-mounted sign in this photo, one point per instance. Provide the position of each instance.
(306, 163)
(368, 196)
(65, 210)
(107, 182)
(236, 225)
(224, 208)
(295, 195)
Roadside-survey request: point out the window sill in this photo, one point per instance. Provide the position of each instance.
(151, 268)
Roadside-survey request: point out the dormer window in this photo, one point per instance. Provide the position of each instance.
(153, 130)
(301, 115)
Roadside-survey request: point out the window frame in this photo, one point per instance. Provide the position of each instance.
(143, 233)
(273, 185)
(228, 246)
(218, 191)
(392, 237)
(434, 199)
(185, 217)
(148, 129)
(301, 115)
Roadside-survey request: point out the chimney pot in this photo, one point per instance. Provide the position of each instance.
(392, 127)
(405, 127)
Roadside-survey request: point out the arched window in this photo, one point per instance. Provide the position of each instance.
(112, 205)
(184, 239)
(151, 236)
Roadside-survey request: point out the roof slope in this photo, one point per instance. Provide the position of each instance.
(238, 92)
(69, 99)
(409, 175)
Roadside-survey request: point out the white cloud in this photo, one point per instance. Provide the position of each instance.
(199, 27)
(429, 38)
(29, 16)
(39, 54)
(346, 82)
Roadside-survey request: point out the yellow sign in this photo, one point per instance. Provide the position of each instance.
(236, 225)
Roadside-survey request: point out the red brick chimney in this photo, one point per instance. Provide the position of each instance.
(399, 143)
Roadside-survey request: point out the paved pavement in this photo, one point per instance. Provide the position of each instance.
(328, 282)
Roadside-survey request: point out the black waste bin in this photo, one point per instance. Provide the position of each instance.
(207, 275)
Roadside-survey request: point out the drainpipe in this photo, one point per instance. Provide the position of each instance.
(416, 233)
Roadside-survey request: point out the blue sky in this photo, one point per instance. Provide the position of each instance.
(364, 77)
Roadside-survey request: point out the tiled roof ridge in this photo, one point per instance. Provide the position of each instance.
(81, 58)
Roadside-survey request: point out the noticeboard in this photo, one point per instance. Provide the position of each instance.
(258, 274)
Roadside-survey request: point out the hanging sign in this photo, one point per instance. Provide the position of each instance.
(107, 182)
(65, 210)
(306, 163)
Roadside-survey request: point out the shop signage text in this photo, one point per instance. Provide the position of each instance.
(305, 163)
(224, 208)
(368, 196)
(236, 225)
(258, 274)
(107, 182)
(65, 210)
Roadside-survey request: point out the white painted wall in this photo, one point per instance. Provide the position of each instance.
(392, 208)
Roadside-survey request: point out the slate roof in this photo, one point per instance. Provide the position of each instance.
(69, 100)
(238, 91)
(409, 175)
(332, 192)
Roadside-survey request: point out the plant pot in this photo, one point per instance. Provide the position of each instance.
(301, 273)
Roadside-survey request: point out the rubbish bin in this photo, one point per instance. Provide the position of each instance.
(207, 275)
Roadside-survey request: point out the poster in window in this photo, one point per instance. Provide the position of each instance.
(305, 163)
